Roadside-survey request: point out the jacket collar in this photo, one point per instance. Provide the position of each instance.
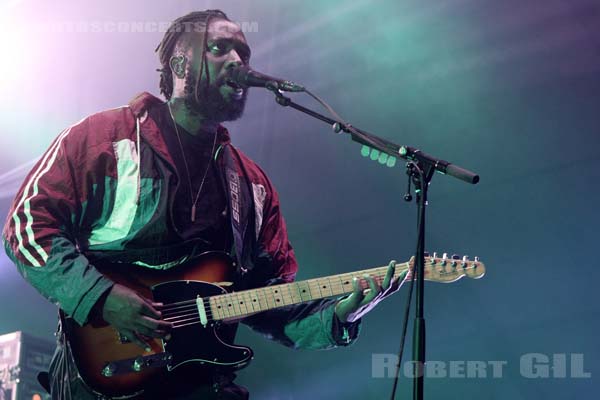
(140, 105)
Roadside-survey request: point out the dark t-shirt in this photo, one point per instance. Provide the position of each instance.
(211, 223)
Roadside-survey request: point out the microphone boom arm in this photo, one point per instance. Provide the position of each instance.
(378, 143)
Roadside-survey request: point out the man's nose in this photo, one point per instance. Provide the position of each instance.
(234, 60)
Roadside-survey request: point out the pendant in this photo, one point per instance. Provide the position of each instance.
(194, 213)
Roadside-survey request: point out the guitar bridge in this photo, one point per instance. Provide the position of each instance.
(137, 364)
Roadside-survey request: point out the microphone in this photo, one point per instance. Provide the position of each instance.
(246, 77)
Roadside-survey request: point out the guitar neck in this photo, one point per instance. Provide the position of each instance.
(248, 302)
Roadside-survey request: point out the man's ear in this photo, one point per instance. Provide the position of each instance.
(177, 64)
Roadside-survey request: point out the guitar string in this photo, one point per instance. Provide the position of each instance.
(241, 295)
(180, 310)
(186, 313)
(191, 310)
(172, 311)
(312, 285)
(196, 320)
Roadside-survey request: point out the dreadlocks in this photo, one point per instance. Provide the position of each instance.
(169, 42)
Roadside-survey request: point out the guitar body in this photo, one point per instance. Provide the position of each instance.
(107, 362)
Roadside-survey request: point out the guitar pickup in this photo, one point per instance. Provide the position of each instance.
(137, 364)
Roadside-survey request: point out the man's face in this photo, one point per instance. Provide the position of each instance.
(226, 48)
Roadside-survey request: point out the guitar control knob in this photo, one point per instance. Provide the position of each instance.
(109, 370)
(138, 364)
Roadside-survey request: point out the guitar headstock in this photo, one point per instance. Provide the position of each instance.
(450, 269)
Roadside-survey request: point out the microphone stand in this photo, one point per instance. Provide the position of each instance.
(420, 168)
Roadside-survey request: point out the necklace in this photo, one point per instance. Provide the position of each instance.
(193, 199)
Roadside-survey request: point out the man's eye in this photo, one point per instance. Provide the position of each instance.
(216, 48)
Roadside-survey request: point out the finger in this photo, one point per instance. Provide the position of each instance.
(152, 327)
(149, 310)
(358, 290)
(357, 294)
(372, 291)
(399, 280)
(135, 339)
(389, 275)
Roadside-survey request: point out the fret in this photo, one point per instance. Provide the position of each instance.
(243, 303)
(222, 306)
(315, 289)
(343, 288)
(336, 285)
(213, 308)
(304, 290)
(346, 280)
(255, 300)
(325, 287)
(286, 294)
(252, 300)
(269, 300)
(276, 294)
(229, 307)
(236, 305)
(248, 301)
(294, 295)
(262, 300)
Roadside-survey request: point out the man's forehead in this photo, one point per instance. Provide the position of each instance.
(223, 29)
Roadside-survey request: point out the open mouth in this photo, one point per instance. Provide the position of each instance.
(233, 85)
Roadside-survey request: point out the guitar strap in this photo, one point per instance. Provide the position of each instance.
(241, 213)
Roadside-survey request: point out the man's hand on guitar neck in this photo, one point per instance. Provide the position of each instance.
(133, 316)
(361, 301)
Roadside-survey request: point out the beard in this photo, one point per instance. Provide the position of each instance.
(212, 103)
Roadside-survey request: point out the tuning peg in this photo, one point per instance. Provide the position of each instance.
(444, 258)
(455, 257)
(465, 260)
(426, 254)
(475, 262)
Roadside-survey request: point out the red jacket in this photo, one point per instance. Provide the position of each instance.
(103, 191)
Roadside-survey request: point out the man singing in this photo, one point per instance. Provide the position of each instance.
(155, 184)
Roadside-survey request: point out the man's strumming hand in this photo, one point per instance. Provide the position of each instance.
(134, 317)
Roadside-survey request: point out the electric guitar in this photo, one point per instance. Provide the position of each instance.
(199, 307)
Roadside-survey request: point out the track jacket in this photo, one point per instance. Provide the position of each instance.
(103, 191)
